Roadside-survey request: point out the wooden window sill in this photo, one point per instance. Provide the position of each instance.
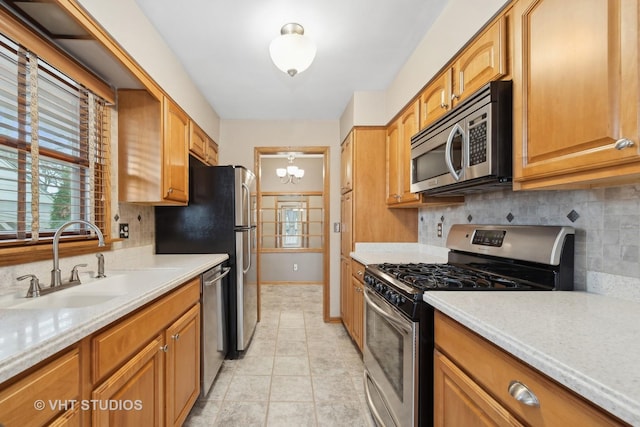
(13, 255)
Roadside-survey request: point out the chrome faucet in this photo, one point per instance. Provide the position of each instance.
(56, 279)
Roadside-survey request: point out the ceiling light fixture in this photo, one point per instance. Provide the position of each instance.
(291, 174)
(292, 51)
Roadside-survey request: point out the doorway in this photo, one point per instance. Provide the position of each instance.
(292, 211)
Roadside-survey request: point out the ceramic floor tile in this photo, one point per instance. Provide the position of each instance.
(291, 414)
(298, 370)
(291, 389)
(249, 388)
(333, 389)
(291, 365)
(242, 414)
(336, 414)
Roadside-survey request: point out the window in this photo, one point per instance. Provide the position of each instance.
(53, 149)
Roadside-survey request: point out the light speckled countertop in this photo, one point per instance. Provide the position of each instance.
(588, 342)
(30, 336)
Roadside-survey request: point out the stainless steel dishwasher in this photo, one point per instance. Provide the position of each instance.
(214, 338)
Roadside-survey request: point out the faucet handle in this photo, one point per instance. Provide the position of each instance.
(75, 278)
(34, 285)
(100, 265)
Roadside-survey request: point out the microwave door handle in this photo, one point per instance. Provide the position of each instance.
(447, 151)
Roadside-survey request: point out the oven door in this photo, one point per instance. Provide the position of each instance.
(390, 359)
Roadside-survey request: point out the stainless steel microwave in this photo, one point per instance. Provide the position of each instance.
(469, 149)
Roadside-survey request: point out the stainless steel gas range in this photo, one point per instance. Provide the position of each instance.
(398, 330)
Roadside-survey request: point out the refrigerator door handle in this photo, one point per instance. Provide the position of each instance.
(248, 204)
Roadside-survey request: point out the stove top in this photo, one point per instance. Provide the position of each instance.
(426, 277)
(482, 258)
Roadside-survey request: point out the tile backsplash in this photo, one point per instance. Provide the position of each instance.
(607, 223)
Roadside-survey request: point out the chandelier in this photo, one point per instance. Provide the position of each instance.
(292, 51)
(291, 174)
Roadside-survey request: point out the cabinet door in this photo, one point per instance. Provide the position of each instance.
(345, 293)
(55, 384)
(393, 163)
(346, 234)
(435, 99)
(357, 321)
(197, 141)
(575, 92)
(409, 126)
(175, 165)
(212, 152)
(140, 383)
(183, 366)
(458, 401)
(346, 164)
(482, 61)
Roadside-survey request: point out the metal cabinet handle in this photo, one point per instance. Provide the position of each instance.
(170, 190)
(175, 337)
(454, 96)
(522, 394)
(444, 106)
(359, 273)
(164, 348)
(623, 143)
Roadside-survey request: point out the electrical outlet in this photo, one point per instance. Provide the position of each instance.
(439, 229)
(124, 231)
(295, 267)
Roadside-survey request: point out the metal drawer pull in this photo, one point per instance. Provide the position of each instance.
(522, 394)
(623, 143)
(176, 337)
(164, 348)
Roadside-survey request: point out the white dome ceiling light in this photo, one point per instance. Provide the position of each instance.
(292, 51)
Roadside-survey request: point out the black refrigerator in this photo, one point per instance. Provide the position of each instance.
(219, 219)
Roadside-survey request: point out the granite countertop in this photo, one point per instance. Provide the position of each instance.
(585, 341)
(29, 336)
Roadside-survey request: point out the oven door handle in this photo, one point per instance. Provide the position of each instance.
(370, 404)
(389, 317)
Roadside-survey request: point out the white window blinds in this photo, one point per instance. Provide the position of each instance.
(53, 149)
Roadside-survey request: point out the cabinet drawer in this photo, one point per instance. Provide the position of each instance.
(117, 344)
(494, 369)
(357, 270)
(54, 385)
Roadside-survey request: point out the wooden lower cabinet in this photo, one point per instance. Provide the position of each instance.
(183, 366)
(462, 402)
(142, 370)
(138, 384)
(472, 381)
(46, 395)
(352, 299)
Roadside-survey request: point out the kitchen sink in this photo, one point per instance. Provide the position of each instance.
(64, 299)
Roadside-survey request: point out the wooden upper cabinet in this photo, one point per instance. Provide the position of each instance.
(399, 135)
(212, 152)
(198, 141)
(201, 146)
(575, 93)
(175, 159)
(346, 229)
(484, 60)
(346, 164)
(435, 99)
(153, 137)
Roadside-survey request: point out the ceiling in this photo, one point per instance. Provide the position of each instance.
(224, 47)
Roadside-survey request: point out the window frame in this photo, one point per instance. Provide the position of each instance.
(18, 252)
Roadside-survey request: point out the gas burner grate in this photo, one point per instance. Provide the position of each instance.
(446, 276)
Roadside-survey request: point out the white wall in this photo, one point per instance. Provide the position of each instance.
(240, 137)
(126, 23)
(456, 25)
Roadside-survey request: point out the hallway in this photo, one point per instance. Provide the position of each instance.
(298, 370)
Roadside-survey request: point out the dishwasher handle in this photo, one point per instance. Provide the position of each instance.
(219, 277)
(220, 311)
